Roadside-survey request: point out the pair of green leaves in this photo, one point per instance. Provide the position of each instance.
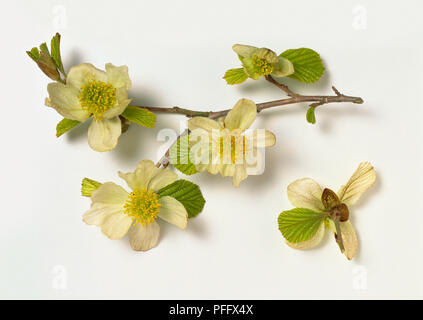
(307, 63)
(137, 115)
(186, 192)
(300, 224)
(49, 62)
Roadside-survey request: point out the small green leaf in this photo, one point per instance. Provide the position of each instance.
(44, 48)
(179, 156)
(187, 193)
(300, 224)
(55, 52)
(307, 63)
(235, 76)
(88, 186)
(65, 125)
(140, 116)
(311, 116)
(34, 54)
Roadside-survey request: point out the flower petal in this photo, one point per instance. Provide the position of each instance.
(244, 50)
(118, 76)
(162, 179)
(362, 179)
(283, 68)
(103, 135)
(311, 243)
(349, 238)
(242, 115)
(116, 226)
(65, 100)
(142, 175)
(99, 212)
(305, 193)
(227, 170)
(263, 138)
(203, 123)
(110, 193)
(240, 174)
(172, 211)
(144, 238)
(122, 103)
(81, 74)
(267, 54)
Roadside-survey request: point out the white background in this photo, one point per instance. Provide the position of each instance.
(177, 52)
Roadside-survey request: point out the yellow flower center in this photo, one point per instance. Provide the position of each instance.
(97, 97)
(261, 66)
(233, 145)
(142, 205)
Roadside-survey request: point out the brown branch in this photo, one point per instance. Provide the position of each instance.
(293, 99)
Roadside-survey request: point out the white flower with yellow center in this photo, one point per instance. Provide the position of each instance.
(118, 212)
(327, 210)
(90, 92)
(228, 150)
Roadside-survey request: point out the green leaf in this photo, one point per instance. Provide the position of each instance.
(88, 186)
(179, 156)
(65, 125)
(44, 48)
(55, 52)
(298, 225)
(311, 116)
(307, 64)
(34, 54)
(140, 116)
(235, 76)
(187, 193)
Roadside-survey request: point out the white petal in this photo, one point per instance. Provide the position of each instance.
(172, 211)
(118, 76)
(65, 100)
(240, 174)
(81, 74)
(121, 104)
(311, 243)
(227, 170)
(203, 123)
(263, 138)
(244, 50)
(362, 179)
(242, 115)
(305, 193)
(103, 135)
(144, 238)
(142, 175)
(162, 179)
(349, 238)
(110, 193)
(116, 226)
(99, 212)
(283, 68)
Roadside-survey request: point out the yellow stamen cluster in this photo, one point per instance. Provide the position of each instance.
(97, 97)
(142, 205)
(261, 66)
(238, 148)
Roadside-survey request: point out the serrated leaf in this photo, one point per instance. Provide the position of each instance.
(311, 116)
(187, 193)
(88, 186)
(179, 156)
(140, 116)
(299, 224)
(55, 52)
(235, 76)
(65, 125)
(307, 64)
(34, 54)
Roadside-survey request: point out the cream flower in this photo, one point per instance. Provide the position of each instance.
(118, 212)
(228, 150)
(307, 193)
(90, 92)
